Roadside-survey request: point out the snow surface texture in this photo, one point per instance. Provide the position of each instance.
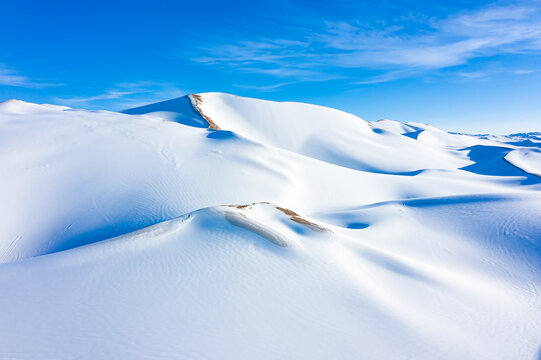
(293, 232)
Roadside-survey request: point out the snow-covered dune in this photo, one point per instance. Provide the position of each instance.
(219, 227)
(528, 160)
(395, 127)
(71, 177)
(322, 133)
(243, 283)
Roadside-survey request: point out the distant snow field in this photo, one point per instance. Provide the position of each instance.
(214, 226)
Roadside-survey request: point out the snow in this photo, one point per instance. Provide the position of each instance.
(15, 106)
(322, 133)
(296, 231)
(528, 160)
(394, 126)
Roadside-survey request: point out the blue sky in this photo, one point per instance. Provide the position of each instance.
(472, 66)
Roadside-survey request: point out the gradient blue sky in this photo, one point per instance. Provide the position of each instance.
(472, 66)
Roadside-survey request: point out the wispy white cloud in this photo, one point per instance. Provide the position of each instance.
(125, 95)
(268, 88)
(490, 72)
(280, 57)
(108, 95)
(9, 77)
(395, 51)
(452, 41)
(386, 76)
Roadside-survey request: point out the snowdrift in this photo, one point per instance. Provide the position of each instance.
(219, 227)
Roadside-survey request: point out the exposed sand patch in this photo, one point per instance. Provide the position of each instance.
(297, 218)
(196, 101)
(292, 216)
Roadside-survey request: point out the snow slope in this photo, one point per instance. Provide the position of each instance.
(528, 160)
(295, 231)
(322, 133)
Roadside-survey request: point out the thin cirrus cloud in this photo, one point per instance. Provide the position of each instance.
(351, 49)
(125, 95)
(9, 77)
(267, 88)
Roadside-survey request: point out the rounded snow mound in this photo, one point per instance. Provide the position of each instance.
(394, 126)
(527, 159)
(15, 106)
